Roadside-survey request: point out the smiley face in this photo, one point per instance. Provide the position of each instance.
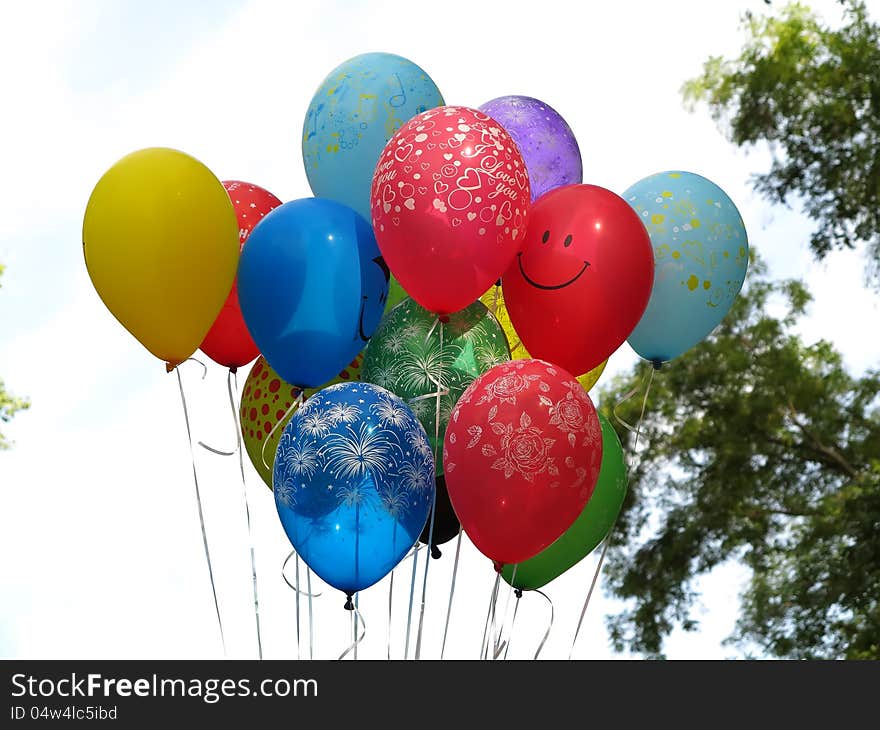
(582, 279)
(551, 285)
(364, 331)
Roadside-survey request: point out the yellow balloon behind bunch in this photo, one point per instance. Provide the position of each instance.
(160, 239)
(494, 300)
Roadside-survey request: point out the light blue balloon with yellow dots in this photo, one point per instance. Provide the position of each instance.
(353, 114)
(701, 254)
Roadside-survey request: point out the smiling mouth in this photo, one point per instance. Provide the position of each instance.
(361, 332)
(545, 286)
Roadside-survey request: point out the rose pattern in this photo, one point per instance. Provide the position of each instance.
(522, 454)
(505, 388)
(568, 416)
(525, 448)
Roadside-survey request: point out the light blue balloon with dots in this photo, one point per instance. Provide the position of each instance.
(353, 114)
(701, 254)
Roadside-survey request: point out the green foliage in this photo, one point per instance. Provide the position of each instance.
(813, 93)
(9, 404)
(759, 448)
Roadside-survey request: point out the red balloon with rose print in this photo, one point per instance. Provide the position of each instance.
(449, 204)
(521, 457)
(228, 342)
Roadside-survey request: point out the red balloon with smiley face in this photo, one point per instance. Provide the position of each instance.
(583, 278)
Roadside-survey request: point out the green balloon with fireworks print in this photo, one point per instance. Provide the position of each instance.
(411, 351)
(396, 295)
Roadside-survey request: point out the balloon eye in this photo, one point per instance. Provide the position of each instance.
(567, 241)
(545, 237)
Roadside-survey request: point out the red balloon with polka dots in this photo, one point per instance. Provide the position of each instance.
(265, 401)
(228, 342)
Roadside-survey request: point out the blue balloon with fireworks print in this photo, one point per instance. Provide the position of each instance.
(353, 483)
(701, 254)
(353, 114)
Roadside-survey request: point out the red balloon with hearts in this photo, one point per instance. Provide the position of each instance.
(583, 278)
(450, 204)
(521, 455)
(229, 342)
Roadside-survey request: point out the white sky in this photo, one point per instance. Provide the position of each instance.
(99, 535)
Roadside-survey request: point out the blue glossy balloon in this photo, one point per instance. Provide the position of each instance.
(354, 482)
(701, 254)
(312, 285)
(353, 114)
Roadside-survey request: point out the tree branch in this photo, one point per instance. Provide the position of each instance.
(829, 451)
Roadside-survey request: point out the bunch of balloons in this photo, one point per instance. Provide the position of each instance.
(427, 325)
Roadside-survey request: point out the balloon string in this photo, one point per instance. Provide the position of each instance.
(451, 592)
(499, 645)
(298, 642)
(311, 624)
(549, 626)
(291, 585)
(484, 645)
(391, 592)
(355, 625)
(412, 591)
(439, 395)
(280, 424)
(219, 452)
(358, 617)
(607, 540)
(247, 510)
(196, 360)
(299, 592)
(391, 589)
(199, 504)
(494, 615)
(390, 596)
(648, 379)
(518, 594)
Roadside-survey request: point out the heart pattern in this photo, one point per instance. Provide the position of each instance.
(472, 162)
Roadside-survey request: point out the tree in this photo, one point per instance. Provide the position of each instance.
(759, 448)
(813, 94)
(9, 404)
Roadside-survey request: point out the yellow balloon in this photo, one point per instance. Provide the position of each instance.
(160, 239)
(494, 300)
(591, 377)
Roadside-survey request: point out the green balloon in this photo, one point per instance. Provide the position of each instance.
(588, 530)
(396, 295)
(411, 350)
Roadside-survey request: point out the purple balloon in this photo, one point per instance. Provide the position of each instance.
(544, 138)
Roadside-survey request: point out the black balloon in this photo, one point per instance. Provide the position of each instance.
(446, 524)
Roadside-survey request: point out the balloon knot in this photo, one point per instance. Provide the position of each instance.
(233, 369)
(349, 606)
(435, 552)
(498, 566)
(657, 364)
(517, 592)
(169, 368)
(444, 318)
